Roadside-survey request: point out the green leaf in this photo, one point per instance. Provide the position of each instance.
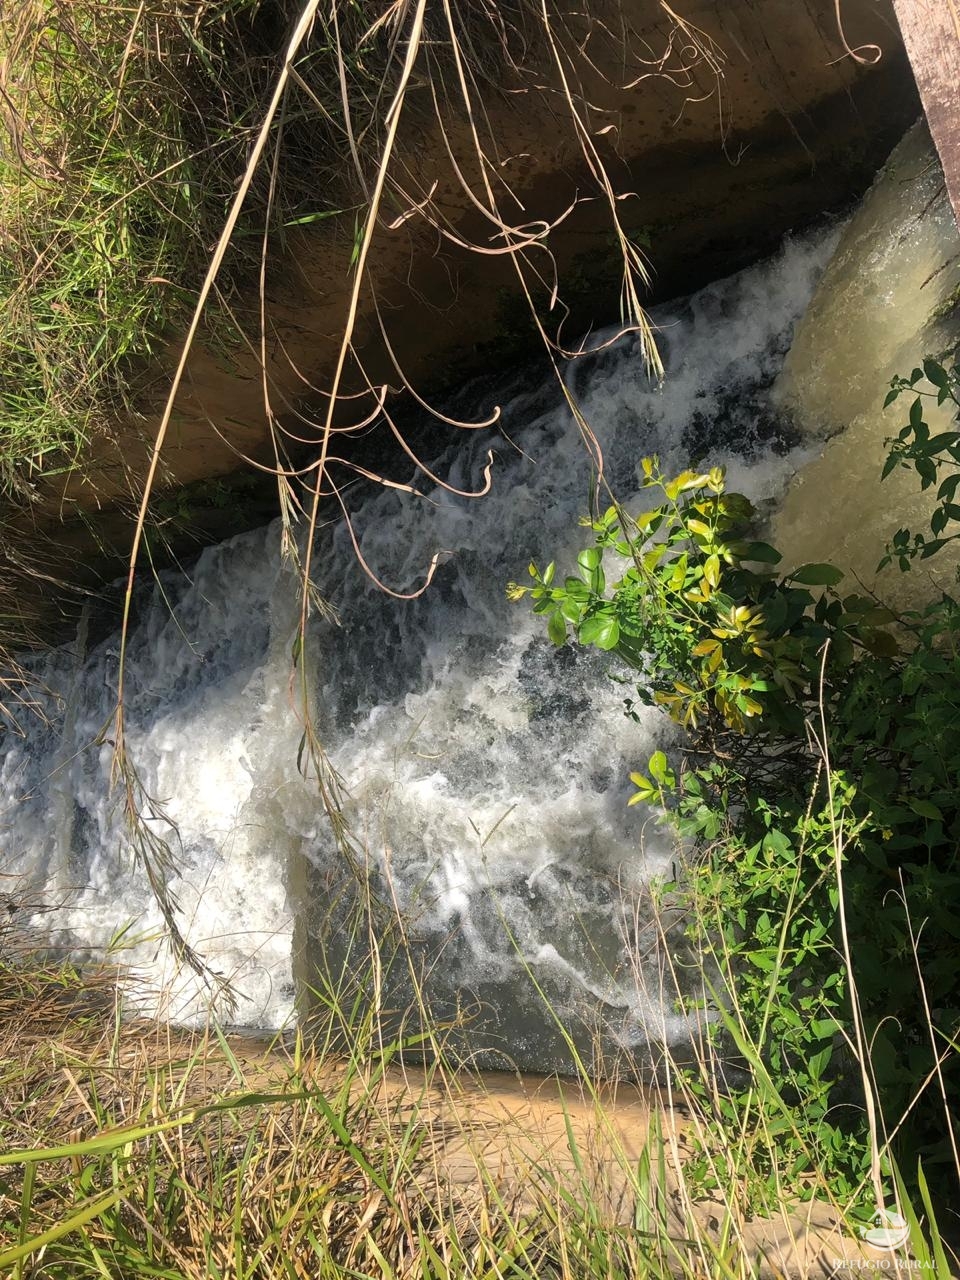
(602, 630)
(817, 575)
(645, 789)
(935, 373)
(589, 561)
(657, 764)
(943, 1267)
(577, 590)
(704, 647)
(936, 444)
(932, 547)
(819, 1061)
(842, 651)
(557, 628)
(677, 572)
(761, 551)
(880, 643)
(926, 809)
(775, 613)
(877, 616)
(572, 610)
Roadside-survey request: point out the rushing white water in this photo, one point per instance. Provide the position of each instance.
(486, 771)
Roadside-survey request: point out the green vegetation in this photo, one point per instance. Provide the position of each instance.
(819, 786)
(820, 793)
(135, 1150)
(125, 134)
(128, 1151)
(128, 132)
(100, 203)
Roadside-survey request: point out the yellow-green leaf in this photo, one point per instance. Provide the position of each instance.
(657, 764)
(704, 647)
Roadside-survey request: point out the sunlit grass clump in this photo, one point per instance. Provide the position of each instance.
(122, 128)
(132, 1149)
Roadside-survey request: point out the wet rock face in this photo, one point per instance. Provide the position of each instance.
(887, 298)
(722, 127)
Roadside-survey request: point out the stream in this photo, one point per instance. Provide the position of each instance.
(485, 771)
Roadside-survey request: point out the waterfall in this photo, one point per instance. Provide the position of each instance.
(485, 771)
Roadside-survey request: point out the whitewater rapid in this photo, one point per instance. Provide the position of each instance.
(485, 771)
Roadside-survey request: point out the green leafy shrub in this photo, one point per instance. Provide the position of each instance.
(823, 732)
(932, 457)
(722, 642)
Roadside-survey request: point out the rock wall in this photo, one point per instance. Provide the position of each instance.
(888, 298)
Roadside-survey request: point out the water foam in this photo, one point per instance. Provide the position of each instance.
(486, 771)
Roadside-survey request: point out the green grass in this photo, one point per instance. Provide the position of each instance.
(134, 1149)
(124, 130)
(128, 1150)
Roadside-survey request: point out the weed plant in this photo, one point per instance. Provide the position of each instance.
(131, 1148)
(132, 171)
(820, 795)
